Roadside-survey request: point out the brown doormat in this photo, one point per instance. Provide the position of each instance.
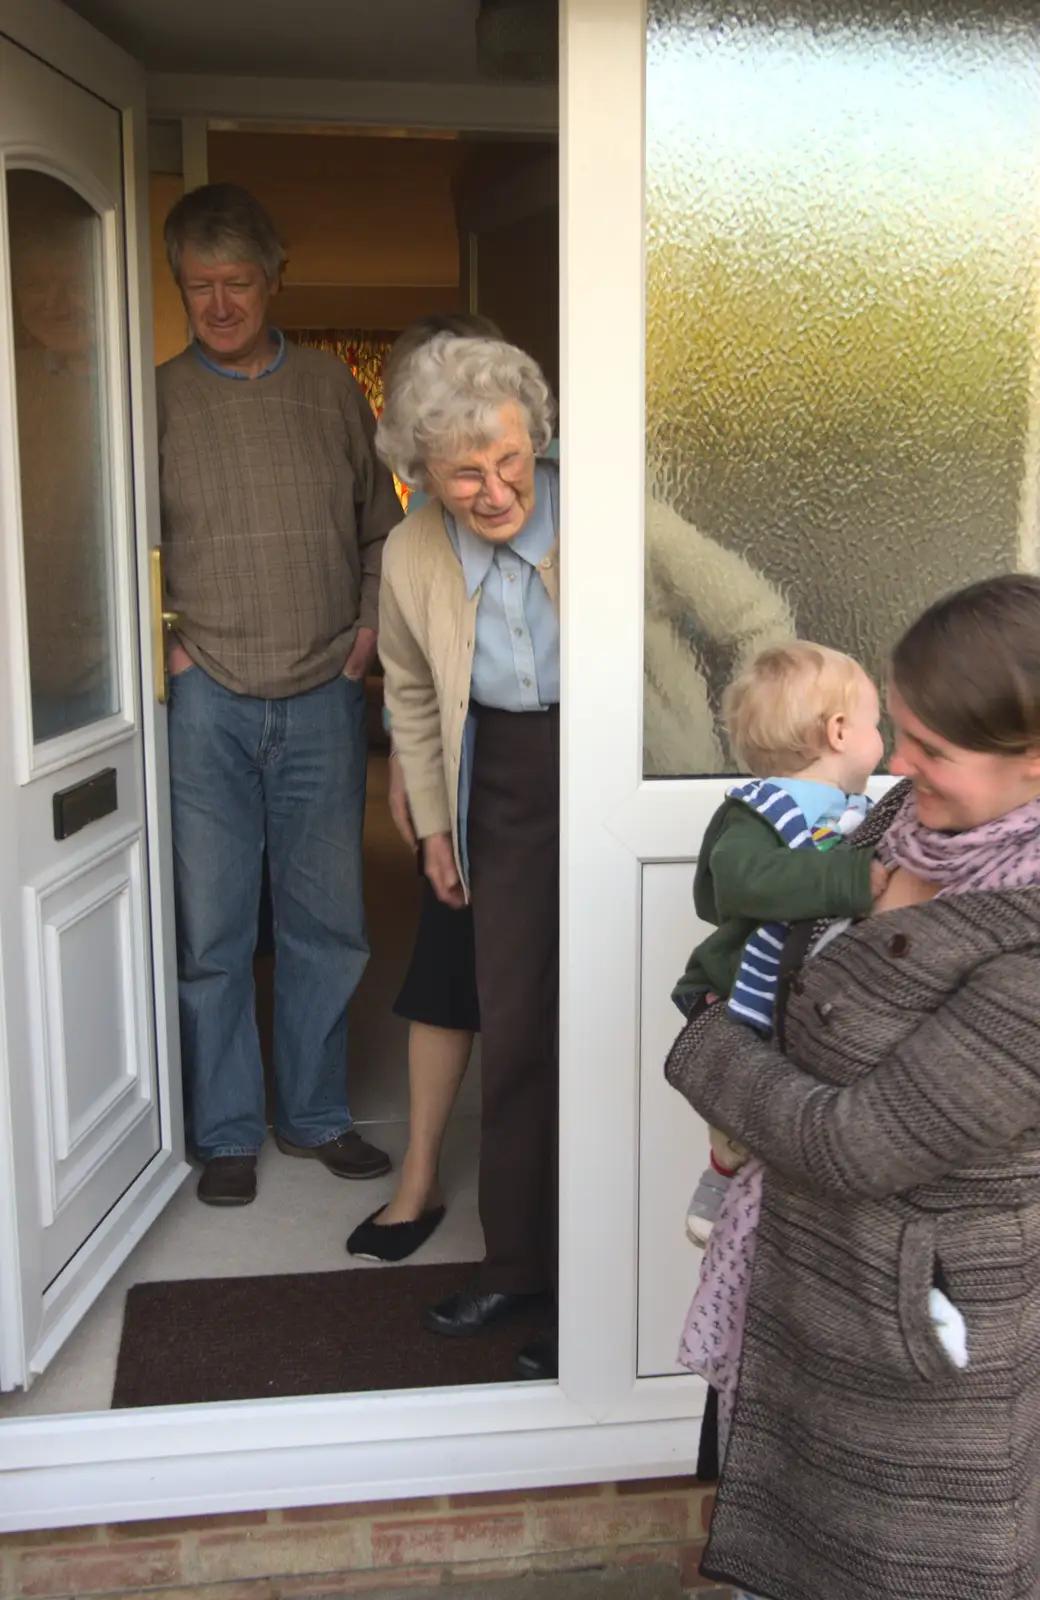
(204, 1339)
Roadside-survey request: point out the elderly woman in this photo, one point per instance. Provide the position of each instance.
(439, 996)
(469, 637)
(885, 1440)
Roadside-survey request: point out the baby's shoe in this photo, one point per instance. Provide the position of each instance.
(705, 1205)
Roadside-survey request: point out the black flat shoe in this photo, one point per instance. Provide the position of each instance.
(393, 1241)
(540, 1359)
(464, 1315)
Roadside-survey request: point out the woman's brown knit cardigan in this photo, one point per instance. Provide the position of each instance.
(900, 1133)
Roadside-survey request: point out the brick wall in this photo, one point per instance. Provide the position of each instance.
(344, 1550)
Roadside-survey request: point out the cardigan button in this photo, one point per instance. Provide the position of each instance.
(824, 1008)
(898, 945)
(545, 563)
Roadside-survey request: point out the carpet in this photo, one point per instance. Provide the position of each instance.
(206, 1339)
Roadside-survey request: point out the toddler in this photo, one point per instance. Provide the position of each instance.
(803, 719)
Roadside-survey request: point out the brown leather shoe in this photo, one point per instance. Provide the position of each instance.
(349, 1156)
(228, 1181)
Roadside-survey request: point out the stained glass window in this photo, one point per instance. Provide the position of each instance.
(365, 353)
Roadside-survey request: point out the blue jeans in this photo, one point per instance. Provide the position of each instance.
(289, 774)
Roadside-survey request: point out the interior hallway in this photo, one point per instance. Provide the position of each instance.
(302, 1215)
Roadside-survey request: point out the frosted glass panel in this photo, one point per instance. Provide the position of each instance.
(56, 280)
(843, 265)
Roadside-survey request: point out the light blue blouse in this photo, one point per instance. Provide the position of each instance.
(516, 644)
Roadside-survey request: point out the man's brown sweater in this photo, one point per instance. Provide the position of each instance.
(274, 513)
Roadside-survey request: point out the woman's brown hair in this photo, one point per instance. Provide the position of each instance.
(969, 668)
(460, 324)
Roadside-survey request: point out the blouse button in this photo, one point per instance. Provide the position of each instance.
(898, 945)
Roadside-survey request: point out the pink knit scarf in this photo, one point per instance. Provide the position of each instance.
(1002, 854)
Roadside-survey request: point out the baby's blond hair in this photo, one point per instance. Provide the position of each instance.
(776, 712)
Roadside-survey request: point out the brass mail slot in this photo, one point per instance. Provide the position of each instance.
(85, 802)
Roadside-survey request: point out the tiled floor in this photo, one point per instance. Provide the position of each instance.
(302, 1216)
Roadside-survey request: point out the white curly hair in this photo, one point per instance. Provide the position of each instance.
(446, 398)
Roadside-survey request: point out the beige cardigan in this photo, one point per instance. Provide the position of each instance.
(426, 627)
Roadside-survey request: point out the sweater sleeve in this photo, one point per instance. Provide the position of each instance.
(756, 877)
(376, 506)
(410, 699)
(964, 1084)
(693, 575)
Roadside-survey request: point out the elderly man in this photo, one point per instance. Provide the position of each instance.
(274, 513)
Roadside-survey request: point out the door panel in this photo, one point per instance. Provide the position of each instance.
(673, 1140)
(93, 1083)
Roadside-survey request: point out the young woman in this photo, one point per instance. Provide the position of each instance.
(898, 1118)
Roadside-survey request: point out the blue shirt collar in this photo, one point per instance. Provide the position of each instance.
(533, 543)
(820, 802)
(277, 339)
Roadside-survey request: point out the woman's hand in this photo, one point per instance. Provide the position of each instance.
(439, 866)
(905, 889)
(398, 802)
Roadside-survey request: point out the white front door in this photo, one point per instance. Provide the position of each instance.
(92, 1139)
(838, 415)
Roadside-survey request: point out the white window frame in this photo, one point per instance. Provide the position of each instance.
(600, 1422)
(32, 760)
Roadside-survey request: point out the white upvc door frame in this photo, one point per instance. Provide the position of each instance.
(498, 109)
(600, 1421)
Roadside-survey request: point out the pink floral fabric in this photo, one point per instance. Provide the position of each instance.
(714, 1331)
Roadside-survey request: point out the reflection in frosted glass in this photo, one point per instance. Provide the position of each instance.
(55, 241)
(843, 262)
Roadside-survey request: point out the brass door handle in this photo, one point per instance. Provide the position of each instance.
(161, 620)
